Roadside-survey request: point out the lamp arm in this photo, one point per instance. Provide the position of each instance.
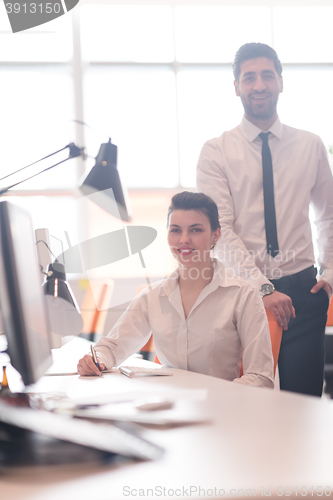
(23, 168)
(74, 152)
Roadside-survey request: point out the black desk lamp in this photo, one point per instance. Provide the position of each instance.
(103, 177)
(64, 313)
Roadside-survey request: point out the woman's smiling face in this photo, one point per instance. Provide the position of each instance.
(190, 237)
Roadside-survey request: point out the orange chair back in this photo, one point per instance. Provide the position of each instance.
(95, 306)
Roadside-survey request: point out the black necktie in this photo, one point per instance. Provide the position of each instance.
(269, 204)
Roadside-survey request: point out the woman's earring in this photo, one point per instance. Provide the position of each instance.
(213, 245)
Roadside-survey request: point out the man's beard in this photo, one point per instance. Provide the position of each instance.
(266, 112)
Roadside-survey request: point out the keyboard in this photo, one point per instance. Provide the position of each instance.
(140, 371)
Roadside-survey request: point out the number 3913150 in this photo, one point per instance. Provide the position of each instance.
(33, 8)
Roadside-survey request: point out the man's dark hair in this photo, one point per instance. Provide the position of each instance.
(196, 201)
(251, 51)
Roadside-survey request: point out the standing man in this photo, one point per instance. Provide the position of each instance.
(263, 176)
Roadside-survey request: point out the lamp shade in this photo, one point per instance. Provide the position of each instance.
(104, 179)
(64, 314)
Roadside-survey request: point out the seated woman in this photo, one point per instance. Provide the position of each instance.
(202, 318)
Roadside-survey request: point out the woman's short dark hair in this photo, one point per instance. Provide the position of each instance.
(196, 201)
(251, 51)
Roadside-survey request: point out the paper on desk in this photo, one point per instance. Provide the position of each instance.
(173, 395)
(184, 413)
(52, 373)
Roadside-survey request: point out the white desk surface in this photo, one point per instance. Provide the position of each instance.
(257, 438)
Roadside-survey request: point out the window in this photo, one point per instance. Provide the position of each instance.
(209, 34)
(37, 102)
(159, 78)
(137, 107)
(127, 33)
(303, 34)
(156, 78)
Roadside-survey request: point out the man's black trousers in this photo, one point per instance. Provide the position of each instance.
(302, 353)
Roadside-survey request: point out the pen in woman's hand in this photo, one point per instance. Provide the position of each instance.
(93, 353)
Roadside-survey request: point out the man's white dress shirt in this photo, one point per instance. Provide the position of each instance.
(227, 324)
(230, 171)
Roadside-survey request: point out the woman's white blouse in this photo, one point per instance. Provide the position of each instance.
(226, 325)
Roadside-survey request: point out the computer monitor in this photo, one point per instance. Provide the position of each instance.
(26, 328)
(21, 297)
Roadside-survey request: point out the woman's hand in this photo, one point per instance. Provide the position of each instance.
(86, 366)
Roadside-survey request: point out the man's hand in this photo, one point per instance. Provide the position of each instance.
(322, 284)
(86, 366)
(281, 306)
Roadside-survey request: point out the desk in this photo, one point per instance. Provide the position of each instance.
(257, 438)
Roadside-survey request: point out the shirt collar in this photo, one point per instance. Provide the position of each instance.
(170, 283)
(251, 131)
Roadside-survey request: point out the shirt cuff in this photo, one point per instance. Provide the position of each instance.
(105, 356)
